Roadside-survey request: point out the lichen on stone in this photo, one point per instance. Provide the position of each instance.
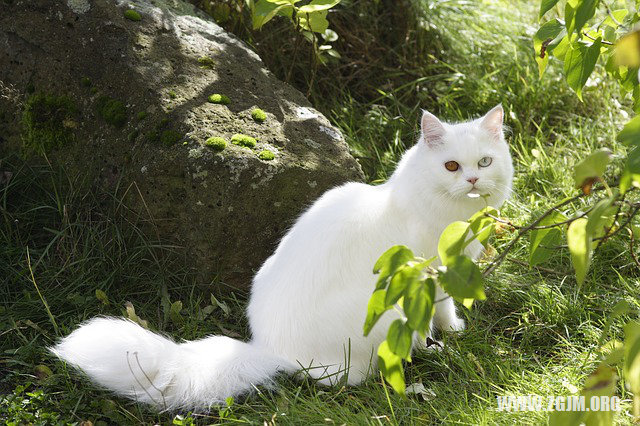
(258, 115)
(266, 155)
(79, 6)
(112, 111)
(173, 94)
(206, 62)
(216, 143)
(217, 98)
(243, 140)
(47, 122)
(132, 15)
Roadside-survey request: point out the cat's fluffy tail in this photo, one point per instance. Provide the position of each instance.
(139, 364)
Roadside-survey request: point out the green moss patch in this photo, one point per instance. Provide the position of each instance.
(217, 98)
(85, 82)
(216, 143)
(243, 140)
(132, 15)
(173, 94)
(206, 62)
(47, 122)
(170, 137)
(112, 111)
(266, 155)
(142, 115)
(258, 115)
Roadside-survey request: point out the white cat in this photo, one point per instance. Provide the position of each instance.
(309, 299)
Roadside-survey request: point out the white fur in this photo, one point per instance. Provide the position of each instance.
(309, 299)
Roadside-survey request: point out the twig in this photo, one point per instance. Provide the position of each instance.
(593, 39)
(615, 218)
(629, 219)
(613, 18)
(553, 225)
(523, 231)
(632, 248)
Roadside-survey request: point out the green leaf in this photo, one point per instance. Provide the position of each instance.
(560, 48)
(618, 15)
(318, 5)
(541, 40)
(630, 133)
(585, 11)
(632, 362)
(599, 383)
(591, 169)
(390, 365)
(400, 338)
(545, 6)
(482, 225)
(266, 10)
(452, 241)
(569, 15)
(102, 297)
(330, 36)
(375, 309)
(400, 281)
(613, 352)
(631, 172)
(390, 261)
(620, 308)
(418, 305)
(580, 247)
(632, 355)
(462, 280)
(599, 218)
(627, 50)
(541, 240)
(174, 312)
(579, 63)
(316, 21)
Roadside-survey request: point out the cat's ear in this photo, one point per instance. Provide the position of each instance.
(432, 128)
(492, 122)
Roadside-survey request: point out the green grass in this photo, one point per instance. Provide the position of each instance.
(536, 332)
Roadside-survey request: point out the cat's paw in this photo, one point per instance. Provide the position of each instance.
(454, 324)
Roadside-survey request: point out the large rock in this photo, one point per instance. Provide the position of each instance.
(125, 103)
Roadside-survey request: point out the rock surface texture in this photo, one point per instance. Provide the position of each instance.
(119, 92)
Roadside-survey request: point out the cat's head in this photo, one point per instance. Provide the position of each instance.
(467, 160)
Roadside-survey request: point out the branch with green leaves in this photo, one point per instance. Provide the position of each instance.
(310, 20)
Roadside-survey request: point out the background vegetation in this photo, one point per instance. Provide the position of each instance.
(67, 255)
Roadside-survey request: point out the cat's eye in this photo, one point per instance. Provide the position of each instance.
(452, 166)
(485, 161)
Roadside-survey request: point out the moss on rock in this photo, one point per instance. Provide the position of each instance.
(170, 137)
(216, 143)
(112, 111)
(266, 155)
(258, 115)
(243, 140)
(47, 122)
(206, 62)
(217, 98)
(132, 15)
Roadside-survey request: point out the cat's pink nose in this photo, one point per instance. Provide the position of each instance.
(472, 180)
